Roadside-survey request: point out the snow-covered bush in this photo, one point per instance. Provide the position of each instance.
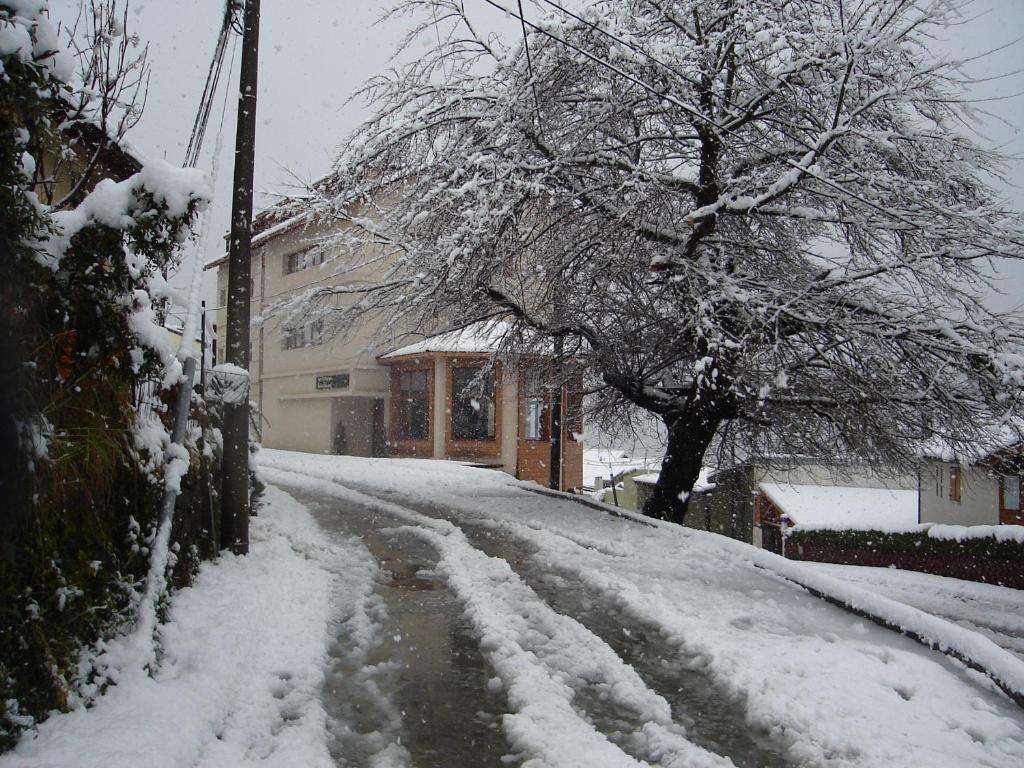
(993, 554)
(80, 283)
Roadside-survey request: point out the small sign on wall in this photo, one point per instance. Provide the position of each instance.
(332, 381)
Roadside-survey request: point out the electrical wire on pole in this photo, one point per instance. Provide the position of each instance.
(192, 316)
(195, 142)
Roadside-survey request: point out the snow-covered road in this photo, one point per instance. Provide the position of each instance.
(412, 614)
(612, 643)
(242, 662)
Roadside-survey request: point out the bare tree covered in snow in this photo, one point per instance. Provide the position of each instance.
(105, 100)
(762, 221)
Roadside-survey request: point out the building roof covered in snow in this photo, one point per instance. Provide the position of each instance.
(701, 485)
(602, 462)
(832, 507)
(476, 338)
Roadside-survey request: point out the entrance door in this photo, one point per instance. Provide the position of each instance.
(379, 430)
(1009, 500)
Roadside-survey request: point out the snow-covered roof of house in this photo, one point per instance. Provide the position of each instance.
(835, 508)
(479, 337)
(115, 150)
(602, 462)
(270, 228)
(286, 214)
(701, 485)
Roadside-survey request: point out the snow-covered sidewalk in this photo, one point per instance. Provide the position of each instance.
(990, 610)
(834, 689)
(243, 659)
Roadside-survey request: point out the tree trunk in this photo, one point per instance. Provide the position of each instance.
(689, 435)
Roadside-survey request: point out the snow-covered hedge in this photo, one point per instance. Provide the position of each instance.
(993, 554)
(82, 467)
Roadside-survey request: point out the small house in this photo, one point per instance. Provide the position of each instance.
(449, 399)
(754, 503)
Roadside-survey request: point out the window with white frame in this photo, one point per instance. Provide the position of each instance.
(535, 406)
(312, 256)
(309, 334)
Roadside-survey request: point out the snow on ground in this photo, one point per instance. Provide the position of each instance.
(833, 688)
(843, 508)
(246, 650)
(243, 657)
(542, 658)
(993, 611)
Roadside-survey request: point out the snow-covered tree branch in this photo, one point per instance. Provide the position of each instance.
(761, 215)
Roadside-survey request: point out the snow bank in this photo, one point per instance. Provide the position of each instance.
(243, 658)
(943, 635)
(833, 688)
(991, 610)
(970, 647)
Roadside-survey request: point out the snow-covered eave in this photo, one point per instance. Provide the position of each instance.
(398, 357)
(703, 483)
(479, 338)
(268, 234)
(988, 457)
(114, 150)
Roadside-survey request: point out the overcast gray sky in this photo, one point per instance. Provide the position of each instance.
(315, 53)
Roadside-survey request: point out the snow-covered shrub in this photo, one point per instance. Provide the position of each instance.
(79, 468)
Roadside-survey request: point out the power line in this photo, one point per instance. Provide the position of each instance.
(195, 142)
(608, 65)
(624, 43)
(529, 64)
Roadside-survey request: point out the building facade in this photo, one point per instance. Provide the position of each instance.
(370, 392)
(987, 493)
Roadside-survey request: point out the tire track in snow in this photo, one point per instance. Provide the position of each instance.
(555, 672)
(408, 685)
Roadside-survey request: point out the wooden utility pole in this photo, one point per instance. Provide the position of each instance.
(235, 487)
